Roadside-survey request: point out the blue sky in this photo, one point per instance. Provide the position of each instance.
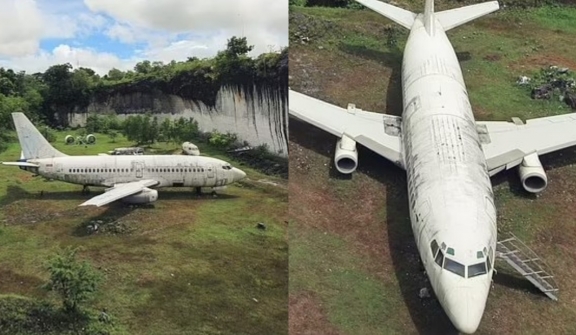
(102, 34)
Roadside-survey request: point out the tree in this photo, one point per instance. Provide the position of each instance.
(75, 282)
(115, 74)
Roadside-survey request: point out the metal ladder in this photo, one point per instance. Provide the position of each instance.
(528, 264)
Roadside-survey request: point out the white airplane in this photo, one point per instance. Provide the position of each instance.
(448, 156)
(128, 178)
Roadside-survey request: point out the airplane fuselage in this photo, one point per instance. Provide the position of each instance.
(168, 170)
(449, 189)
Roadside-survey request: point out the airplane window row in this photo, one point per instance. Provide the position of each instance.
(114, 170)
(99, 170)
(186, 169)
(456, 267)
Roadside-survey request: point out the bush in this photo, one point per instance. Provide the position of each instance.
(75, 282)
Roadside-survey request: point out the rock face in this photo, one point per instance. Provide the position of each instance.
(258, 115)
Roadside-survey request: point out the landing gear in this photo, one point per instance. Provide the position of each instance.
(85, 189)
(198, 191)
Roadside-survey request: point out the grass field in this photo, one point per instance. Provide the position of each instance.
(186, 265)
(354, 267)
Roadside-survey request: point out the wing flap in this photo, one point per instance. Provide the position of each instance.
(119, 191)
(377, 132)
(509, 143)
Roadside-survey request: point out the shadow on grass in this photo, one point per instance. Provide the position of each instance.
(15, 193)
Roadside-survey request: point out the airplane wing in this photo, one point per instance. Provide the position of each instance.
(505, 144)
(119, 191)
(378, 132)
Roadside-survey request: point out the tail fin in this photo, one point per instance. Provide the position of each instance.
(401, 16)
(33, 144)
(429, 17)
(448, 19)
(453, 18)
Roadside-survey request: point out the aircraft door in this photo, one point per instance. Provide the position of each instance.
(138, 169)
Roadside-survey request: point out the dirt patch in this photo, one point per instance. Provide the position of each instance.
(13, 282)
(354, 218)
(493, 57)
(536, 62)
(307, 316)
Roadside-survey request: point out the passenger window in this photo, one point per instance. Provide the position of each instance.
(434, 248)
(440, 258)
(477, 269)
(454, 267)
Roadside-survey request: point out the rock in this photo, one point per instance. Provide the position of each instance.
(261, 226)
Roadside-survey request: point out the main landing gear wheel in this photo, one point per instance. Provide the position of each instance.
(85, 189)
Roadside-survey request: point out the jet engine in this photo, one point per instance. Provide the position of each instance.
(69, 139)
(143, 197)
(90, 139)
(346, 156)
(532, 174)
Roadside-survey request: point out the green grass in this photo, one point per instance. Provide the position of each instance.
(343, 56)
(186, 265)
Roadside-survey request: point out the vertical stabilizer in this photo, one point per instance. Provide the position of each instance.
(33, 144)
(429, 17)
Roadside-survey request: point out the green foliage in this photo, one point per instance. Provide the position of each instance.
(223, 141)
(183, 130)
(141, 129)
(334, 3)
(113, 135)
(95, 124)
(75, 282)
(48, 134)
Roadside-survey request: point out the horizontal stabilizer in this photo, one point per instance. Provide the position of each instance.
(453, 18)
(401, 16)
(26, 164)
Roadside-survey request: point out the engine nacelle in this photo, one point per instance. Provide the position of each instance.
(90, 139)
(532, 174)
(346, 156)
(145, 196)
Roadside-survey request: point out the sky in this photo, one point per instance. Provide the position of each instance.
(105, 34)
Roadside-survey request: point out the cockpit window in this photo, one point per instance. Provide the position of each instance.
(479, 255)
(226, 167)
(434, 247)
(450, 251)
(440, 258)
(477, 269)
(454, 267)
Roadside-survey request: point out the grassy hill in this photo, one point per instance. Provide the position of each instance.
(185, 265)
(354, 267)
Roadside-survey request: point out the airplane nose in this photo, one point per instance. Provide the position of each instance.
(465, 308)
(238, 174)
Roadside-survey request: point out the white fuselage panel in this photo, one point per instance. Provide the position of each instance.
(449, 189)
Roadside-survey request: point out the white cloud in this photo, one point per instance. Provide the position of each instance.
(162, 30)
(21, 24)
(101, 62)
